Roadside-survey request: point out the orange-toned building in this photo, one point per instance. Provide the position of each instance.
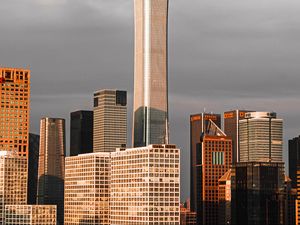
(215, 161)
(198, 125)
(14, 110)
(187, 217)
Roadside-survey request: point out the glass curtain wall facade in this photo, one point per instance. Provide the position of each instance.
(150, 118)
(51, 168)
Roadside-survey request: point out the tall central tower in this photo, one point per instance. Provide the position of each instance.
(150, 119)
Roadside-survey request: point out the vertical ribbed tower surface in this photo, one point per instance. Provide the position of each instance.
(150, 119)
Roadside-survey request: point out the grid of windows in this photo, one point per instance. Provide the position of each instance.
(13, 181)
(110, 121)
(87, 189)
(30, 215)
(145, 186)
(14, 110)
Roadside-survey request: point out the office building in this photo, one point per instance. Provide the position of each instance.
(30, 215)
(87, 189)
(150, 108)
(231, 129)
(81, 137)
(14, 112)
(187, 217)
(298, 196)
(261, 137)
(257, 193)
(33, 161)
(290, 203)
(224, 192)
(213, 163)
(13, 180)
(294, 159)
(198, 125)
(145, 186)
(51, 165)
(110, 120)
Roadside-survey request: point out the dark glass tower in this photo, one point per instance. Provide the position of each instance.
(258, 195)
(33, 161)
(198, 125)
(150, 118)
(294, 159)
(52, 165)
(81, 137)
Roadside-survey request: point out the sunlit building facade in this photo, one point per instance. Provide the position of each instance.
(110, 120)
(51, 170)
(30, 215)
(13, 180)
(87, 189)
(261, 137)
(150, 119)
(14, 110)
(213, 163)
(145, 186)
(199, 124)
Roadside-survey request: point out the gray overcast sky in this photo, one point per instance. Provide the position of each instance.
(223, 54)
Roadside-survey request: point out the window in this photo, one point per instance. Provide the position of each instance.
(218, 158)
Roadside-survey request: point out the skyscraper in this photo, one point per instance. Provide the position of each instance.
(81, 137)
(110, 120)
(145, 185)
(231, 129)
(13, 180)
(261, 137)
(150, 118)
(51, 165)
(212, 164)
(198, 125)
(14, 113)
(294, 159)
(33, 161)
(258, 194)
(87, 194)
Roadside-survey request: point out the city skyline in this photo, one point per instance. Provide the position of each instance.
(195, 82)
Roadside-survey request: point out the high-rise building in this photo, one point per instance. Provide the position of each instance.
(81, 137)
(33, 161)
(213, 163)
(30, 215)
(261, 137)
(198, 125)
(257, 193)
(224, 192)
(52, 164)
(290, 204)
(298, 196)
(294, 159)
(110, 120)
(14, 112)
(231, 129)
(187, 217)
(13, 180)
(87, 189)
(145, 185)
(150, 110)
